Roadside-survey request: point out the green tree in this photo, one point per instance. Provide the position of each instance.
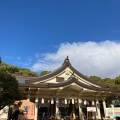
(95, 78)
(108, 82)
(117, 80)
(44, 72)
(10, 91)
(113, 83)
(17, 70)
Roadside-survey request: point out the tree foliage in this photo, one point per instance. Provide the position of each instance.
(44, 72)
(17, 70)
(117, 80)
(95, 78)
(10, 91)
(110, 82)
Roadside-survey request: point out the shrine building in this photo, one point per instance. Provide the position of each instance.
(66, 90)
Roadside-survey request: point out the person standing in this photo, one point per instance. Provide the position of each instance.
(72, 116)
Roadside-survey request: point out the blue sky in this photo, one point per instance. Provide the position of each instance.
(39, 34)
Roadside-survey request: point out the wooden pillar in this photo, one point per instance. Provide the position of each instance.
(93, 113)
(112, 105)
(36, 104)
(98, 110)
(81, 117)
(57, 108)
(36, 107)
(28, 97)
(73, 109)
(104, 107)
(52, 107)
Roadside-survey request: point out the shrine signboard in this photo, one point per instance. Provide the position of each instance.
(26, 110)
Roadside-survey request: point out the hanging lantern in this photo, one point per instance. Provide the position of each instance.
(85, 102)
(93, 103)
(42, 101)
(52, 101)
(72, 101)
(65, 101)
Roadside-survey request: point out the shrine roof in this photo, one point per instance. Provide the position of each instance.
(67, 83)
(65, 64)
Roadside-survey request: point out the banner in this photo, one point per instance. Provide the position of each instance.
(91, 109)
(117, 112)
(109, 112)
(113, 112)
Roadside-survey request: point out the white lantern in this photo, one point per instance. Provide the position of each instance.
(72, 101)
(42, 101)
(85, 102)
(52, 101)
(93, 103)
(65, 101)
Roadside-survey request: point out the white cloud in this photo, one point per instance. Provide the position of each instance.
(90, 58)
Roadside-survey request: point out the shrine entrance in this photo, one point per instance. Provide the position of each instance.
(43, 111)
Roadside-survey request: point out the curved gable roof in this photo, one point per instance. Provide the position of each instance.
(62, 68)
(66, 83)
(53, 73)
